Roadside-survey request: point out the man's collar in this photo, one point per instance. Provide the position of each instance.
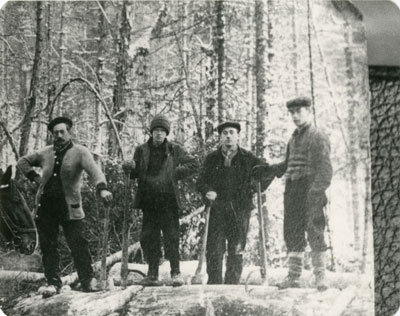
(163, 145)
(63, 148)
(239, 150)
(301, 129)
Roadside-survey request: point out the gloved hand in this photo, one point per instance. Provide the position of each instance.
(128, 166)
(106, 195)
(211, 195)
(259, 170)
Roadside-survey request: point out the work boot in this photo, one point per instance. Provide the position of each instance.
(318, 262)
(150, 280)
(295, 263)
(177, 280)
(48, 290)
(152, 276)
(289, 282)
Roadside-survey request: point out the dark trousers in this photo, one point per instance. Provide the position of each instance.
(161, 215)
(227, 226)
(303, 214)
(51, 215)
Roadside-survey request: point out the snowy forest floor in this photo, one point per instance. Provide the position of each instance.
(349, 294)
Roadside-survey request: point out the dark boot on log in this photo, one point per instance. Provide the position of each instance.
(152, 276)
(177, 280)
(295, 263)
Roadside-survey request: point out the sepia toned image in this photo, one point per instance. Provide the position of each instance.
(199, 157)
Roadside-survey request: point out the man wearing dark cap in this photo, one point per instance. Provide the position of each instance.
(159, 164)
(225, 180)
(59, 202)
(308, 173)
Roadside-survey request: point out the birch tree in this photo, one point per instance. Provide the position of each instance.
(32, 96)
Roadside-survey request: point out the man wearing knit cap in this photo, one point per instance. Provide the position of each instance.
(59, 202)
(308, 172)
(158, 165)
(225, 181)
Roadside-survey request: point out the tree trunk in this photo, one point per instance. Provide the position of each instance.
(62, 49)
(99, 73)
(122, 68)
(250, 76)
(368, 213)
(31, 104)
(260, 77)
(263, 83)
(294, 48)
(384, 86)
(219, 47)
(353, 152)
(310, 56)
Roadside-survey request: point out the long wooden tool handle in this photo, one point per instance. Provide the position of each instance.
(106, 224)
(204, 241)
(125, 235)
(263, 250)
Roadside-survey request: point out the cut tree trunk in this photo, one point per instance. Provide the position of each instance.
(192, 300)
(77, 303)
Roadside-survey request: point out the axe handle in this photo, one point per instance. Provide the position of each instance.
(204, 241)
(262, 243)
(106, 224)
(125, 234)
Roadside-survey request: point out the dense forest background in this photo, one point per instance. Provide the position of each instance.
(112, 65)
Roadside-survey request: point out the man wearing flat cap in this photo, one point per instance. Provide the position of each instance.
(308, 173)
(59, 202)
(158, 165)
(226, 182)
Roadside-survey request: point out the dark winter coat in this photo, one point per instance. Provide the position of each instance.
(180, 164)
(211, 178)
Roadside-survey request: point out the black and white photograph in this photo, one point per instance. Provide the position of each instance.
(200, 157)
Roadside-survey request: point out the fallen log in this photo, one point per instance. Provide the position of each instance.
(18, 276)
(15, 261)
(73, 277)
(230, 300)
(6, 275)
(77, 303)
(233, 300)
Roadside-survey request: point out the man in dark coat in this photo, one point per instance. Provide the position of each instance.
(59, 202)
(226, 180)
(308, 173)
(159, 164)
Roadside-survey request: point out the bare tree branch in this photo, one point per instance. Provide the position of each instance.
(96, 93)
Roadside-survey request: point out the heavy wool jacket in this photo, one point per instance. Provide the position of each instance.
(76, 159)
(178, 162)
(308, 154)
(211, 177)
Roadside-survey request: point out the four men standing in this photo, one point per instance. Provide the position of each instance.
(226, 181)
